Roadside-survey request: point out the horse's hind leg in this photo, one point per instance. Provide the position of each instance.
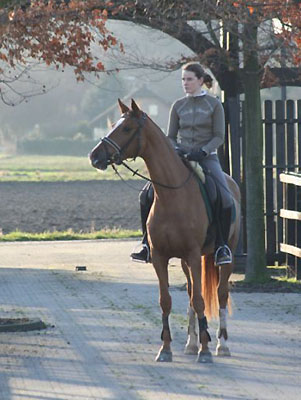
(192, 344)
(223, 294)
(160, 265)
(197, 302)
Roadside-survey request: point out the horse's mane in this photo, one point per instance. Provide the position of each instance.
(160, 132)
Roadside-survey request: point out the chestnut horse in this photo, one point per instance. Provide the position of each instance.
(177, 227)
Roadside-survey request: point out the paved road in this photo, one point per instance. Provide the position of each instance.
(104, 332)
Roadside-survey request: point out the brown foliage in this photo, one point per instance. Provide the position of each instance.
(56, 33)
(61, 32)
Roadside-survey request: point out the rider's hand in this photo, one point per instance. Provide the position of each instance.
(196, 155)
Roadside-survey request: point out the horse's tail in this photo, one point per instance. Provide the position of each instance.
(209, 286)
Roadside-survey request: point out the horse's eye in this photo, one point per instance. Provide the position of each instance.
(126, 129)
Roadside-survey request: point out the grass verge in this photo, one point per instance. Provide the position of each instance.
(59, 169)
(18, 236)
(273, 285)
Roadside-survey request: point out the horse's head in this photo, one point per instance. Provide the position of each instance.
(123, 141)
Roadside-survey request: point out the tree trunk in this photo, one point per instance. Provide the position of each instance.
(256, 261)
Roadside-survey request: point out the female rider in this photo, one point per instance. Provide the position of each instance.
(196, 128)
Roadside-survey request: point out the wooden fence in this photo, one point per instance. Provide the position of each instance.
(292, 223)
(282, 153)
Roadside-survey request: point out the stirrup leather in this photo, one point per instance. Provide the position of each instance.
(228, 258)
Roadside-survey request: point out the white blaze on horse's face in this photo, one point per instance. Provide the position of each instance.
(99, 156)
(113, 147)
(118, 123)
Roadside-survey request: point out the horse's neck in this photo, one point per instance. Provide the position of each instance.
(163, 165)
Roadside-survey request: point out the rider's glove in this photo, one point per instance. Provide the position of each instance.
(196, 155)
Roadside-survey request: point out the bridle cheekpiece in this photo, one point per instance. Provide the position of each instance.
(117, 157)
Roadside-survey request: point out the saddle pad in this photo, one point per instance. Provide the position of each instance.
(206, 201)
(208, 204)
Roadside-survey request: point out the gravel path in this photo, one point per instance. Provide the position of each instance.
(104, 332)
(81, 206)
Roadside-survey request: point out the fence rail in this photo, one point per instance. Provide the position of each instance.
(291, 245)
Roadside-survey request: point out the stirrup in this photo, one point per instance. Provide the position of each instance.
(225, 258)
(142, 256)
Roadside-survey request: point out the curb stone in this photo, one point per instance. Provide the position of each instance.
(21, 324)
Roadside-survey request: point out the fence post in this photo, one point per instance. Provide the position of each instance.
(269, 183)
(280, 162)
(298, 266)
(290, 226)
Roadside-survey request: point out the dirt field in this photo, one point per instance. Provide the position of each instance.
(82, 206)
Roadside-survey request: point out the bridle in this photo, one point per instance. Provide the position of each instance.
(116, 158)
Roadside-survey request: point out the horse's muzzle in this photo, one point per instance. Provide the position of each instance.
(99, 163)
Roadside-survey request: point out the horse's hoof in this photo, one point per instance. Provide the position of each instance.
(222, 351)
(164, 356)
(204, 357)
(191, 350)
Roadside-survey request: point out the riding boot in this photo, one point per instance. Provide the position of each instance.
(146, 202)
(144, 254)
(223, 254)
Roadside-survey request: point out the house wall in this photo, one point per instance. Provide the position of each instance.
(156, 109)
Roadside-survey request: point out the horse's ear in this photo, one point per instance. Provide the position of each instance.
(109, 123)
(123, 107)
(135, 108)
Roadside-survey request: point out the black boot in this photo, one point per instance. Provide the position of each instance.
(146, 200)
(223, 254)
(144, 254)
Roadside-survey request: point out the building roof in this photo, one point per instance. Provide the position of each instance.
(141, 92)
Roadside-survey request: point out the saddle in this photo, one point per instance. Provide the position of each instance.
(210, 191)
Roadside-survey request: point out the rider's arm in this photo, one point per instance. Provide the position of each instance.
(218, 129)
(173, 125)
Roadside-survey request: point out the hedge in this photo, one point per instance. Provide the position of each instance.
(59, 146)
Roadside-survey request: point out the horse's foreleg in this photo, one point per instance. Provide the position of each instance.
(197, 302)
(223, 294)
(192, 344)
(160, 265)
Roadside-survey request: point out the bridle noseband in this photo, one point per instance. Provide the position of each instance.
(116, 158)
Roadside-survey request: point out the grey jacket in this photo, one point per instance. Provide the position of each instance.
(196, 122)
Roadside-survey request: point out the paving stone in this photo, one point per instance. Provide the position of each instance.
(104, 327)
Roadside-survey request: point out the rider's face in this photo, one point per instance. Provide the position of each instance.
(191, 83)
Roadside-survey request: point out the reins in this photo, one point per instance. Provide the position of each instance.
(151, 180)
